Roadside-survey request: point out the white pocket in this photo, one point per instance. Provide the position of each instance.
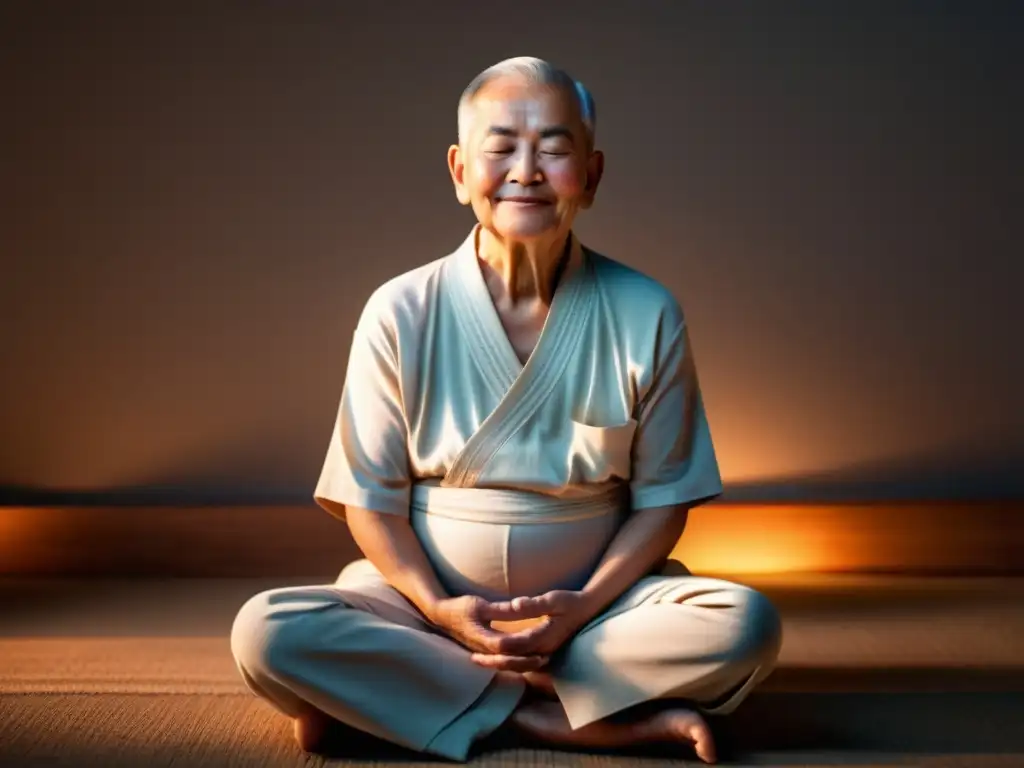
(598, 454)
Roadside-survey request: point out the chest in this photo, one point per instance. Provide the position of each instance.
(522, 324)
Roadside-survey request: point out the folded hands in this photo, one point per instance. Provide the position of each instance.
(554, 618)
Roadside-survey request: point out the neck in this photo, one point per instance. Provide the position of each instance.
(524, 270)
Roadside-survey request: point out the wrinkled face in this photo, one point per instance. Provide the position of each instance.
(525, 166)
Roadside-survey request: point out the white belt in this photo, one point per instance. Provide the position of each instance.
(506, 507)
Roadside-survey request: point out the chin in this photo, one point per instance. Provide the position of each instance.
(525, 228)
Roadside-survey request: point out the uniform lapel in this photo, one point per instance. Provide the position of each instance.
(520, 389)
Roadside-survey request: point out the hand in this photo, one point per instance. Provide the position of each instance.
(563, 613)
(467, 620)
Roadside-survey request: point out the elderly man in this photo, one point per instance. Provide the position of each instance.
(520, 438)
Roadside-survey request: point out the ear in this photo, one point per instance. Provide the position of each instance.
(595, 170)
(457, 168)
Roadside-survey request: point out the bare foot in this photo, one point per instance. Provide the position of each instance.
(311, 730)
(547, 721)
(687, 726)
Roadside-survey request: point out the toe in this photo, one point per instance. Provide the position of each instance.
(685, 725)
(311, 730)
(703, 742)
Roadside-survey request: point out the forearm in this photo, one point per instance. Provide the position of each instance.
(389, 542)
(642, 544)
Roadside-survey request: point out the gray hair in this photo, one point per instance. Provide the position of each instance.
(534, 71)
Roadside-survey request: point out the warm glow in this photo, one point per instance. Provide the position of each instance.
(719, 539)
(800, 538)
(26, 539)
(762, 539)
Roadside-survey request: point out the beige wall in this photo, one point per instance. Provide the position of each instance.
(197, 199)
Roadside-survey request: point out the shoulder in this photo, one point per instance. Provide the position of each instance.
(401, 304)
(632, 294)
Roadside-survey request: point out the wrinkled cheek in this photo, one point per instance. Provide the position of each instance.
(484, 179)
(567, 185)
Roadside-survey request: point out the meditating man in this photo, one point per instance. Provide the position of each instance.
(519, 441)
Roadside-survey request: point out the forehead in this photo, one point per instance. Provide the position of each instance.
(514, 102)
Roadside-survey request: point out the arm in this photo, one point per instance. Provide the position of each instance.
(366, 480)
(674, 470)
(389, 542)
(366, 475)
(642, 545)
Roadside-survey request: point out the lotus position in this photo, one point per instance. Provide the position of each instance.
(519, 441)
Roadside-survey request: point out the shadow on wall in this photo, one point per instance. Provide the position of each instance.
(994, 473)
(960, 475)
(946, 515)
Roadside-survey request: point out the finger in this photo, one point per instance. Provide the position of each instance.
(552, 602)
(549, 604)
(509, 663)
(492, 641)
(504, 611)
(523, 642)
(503, 607)
(518, 609)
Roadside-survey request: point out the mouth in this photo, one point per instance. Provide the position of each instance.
(525, 201)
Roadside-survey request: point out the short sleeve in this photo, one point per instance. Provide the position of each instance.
(673, 457)
(367, 463)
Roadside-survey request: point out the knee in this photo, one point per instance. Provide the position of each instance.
(260, 636)
(760, 635)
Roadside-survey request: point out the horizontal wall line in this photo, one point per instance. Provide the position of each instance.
(954, 538)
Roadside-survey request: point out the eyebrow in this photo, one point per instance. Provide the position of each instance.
(547, 133)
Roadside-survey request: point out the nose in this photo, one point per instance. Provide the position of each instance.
(525, 170)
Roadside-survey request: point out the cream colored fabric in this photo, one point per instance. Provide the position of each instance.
(502, 544)
(435, 392)
(360, 652)
(515, 479)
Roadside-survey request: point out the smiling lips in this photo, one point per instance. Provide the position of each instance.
(526, 201)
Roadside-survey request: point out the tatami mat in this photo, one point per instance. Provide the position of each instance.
(874, 672)
(112, 731)
(172, 636)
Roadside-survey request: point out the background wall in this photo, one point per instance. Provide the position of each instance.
(198, 198)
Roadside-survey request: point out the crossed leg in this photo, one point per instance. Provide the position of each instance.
(702, 640)
(706, 641)
(544, 719)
